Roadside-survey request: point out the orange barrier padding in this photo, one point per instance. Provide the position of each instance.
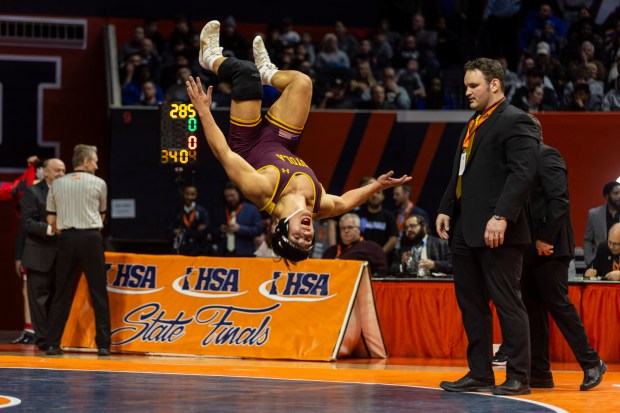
(422, 319)
(225, 307)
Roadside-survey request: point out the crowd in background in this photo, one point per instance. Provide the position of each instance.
(556, 58)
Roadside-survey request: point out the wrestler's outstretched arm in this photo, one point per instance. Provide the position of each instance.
(333, 205)
(252, 184)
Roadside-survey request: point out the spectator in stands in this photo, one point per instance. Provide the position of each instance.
(151, 30)
(131, 93)
(183, 31)
(394, 93)
(436, 98)
(378, 100)
(133, 45)
(534, 77)
(377, 224)
(606, 263)
(535, 25)
(336, 97)
(265, 250)
(611, 101)
(362, 81)
(600, 220)
(288, 36)
(233, 42)
(241, 224)
(420, 254)
(410, 79)
(393, 37)
(551, 67)
(407, 51)
(331, 59)
(595, 91)
(580, 97)
(366, 53)
(511, 79)
(534, 101)
(187, 224)
(347, 42)
(149, 94)
(382, 51)
(426, 41)
(177, 92)
(150, 57)
(308, 47)
(405, 206)
(353, 246)
(587, 54)
(171, 66)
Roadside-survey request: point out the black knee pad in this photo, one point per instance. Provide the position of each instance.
(244, 76)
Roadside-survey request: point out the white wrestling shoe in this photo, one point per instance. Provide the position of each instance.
(210, 49)
(263, 63)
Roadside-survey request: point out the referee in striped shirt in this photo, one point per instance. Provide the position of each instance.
(76, 206)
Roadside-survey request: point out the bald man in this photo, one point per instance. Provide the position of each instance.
(39, 256)
(606, 263)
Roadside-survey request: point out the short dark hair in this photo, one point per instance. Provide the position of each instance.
(491, 69)
(285, 248)
(609, 186)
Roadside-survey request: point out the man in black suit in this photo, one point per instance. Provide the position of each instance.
(545, 274)
(39, 256)
(484, 211)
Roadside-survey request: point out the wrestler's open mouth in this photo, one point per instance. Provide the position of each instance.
(306, 221)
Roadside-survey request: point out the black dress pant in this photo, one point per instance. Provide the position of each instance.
(84, 248)
(40, 287)
(545, 291)
(482, 274)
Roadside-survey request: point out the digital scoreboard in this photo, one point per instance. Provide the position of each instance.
(178, 134)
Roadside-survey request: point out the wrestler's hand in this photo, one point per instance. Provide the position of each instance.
(386, 180)
(494, 232)
(200, 99)
(543, 248)
(442, 225)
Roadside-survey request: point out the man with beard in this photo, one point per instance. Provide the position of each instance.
(377, 224)
(242, 224)
(187, 224)
(426, 252)
(353, 246)
(600, 220)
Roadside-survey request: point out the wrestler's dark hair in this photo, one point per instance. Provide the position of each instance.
(284, 248)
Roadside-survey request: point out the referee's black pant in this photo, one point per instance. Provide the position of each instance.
(83, 247)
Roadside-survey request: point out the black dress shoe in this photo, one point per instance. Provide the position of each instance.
(512, 387)
(541, 383)
(43, 346)
(467, 384)
(593, 377)
(54, 351)
(103, 351)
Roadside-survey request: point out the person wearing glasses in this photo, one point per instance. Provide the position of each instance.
(353, 246)
(606, 263)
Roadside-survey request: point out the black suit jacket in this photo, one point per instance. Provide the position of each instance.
(40, 248)
(550, 204)
(497, 178)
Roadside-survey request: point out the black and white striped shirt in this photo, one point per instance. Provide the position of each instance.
(78, 199)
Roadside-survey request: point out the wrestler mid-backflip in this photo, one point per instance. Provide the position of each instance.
(260, 159)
